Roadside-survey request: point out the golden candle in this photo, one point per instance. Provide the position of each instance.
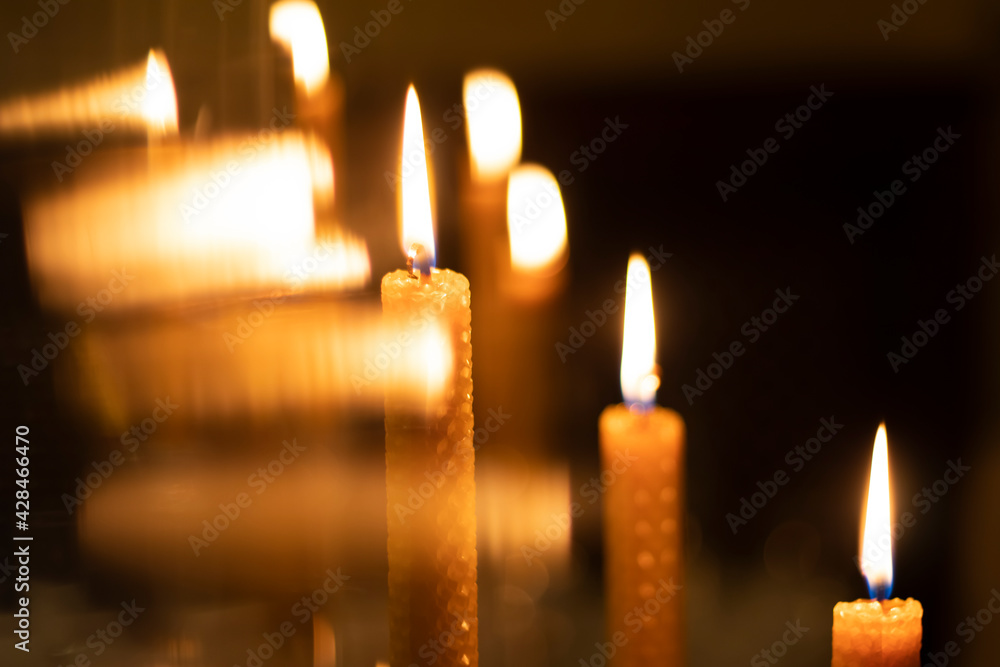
(877, 632)
(642, 457)
(429, 451)
(319, 94)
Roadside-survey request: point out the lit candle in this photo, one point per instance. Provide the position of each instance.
(642, 446)
(877, 632)
(536, 228)
(429, 453)
(319, 95)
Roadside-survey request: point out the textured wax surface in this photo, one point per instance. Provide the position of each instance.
(433, 615)
(643, 534)
(869, 633)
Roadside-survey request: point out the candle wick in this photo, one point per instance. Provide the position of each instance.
(418, 263)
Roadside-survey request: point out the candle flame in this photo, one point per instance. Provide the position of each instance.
(136, 99)
(416, 221)
(159, 108)
(536, 220)
(493, 126)
(638, 372)
(297, 25)
(876, 543)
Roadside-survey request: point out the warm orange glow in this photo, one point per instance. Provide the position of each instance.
(493, 123)
(638, 372)
(138, 98)
(876, 542)
(536, 220)
(159, 107)
(417, 225)
(231, 216)
(297, 25)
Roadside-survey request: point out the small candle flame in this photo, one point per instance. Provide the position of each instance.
(493, 123)
(536, 220)
(159, 108)
(876, 542)
(638, 372)
(298, 25)
(416, 221)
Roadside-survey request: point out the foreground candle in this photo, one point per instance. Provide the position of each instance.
(429, 448)
(877, 632)
(642, 452)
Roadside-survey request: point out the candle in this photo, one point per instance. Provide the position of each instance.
(493, 132)
(642, 449)
(536, 228)
(877, 632)
(139, 99)
(319, 95)
(429, 454)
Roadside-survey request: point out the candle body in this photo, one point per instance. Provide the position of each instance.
(642, 460)
(431, 485)
(869, 633)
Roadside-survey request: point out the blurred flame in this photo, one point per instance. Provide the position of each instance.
(297, 25)
(417, 225)
(228, 217)
(138, 98)
(160, 106)
(493, 123)
(638, 372)
(876, 542)
(536, 220)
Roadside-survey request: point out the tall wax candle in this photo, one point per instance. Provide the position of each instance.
(429, 447)
(877, 632)
(642, 457)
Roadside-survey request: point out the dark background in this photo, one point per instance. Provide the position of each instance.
(656, 185)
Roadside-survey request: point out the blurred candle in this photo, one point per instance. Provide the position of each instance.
(429, 452)
(877, 632)
(642, 459)
(319, 95)
(536, 228)
(135, 100)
